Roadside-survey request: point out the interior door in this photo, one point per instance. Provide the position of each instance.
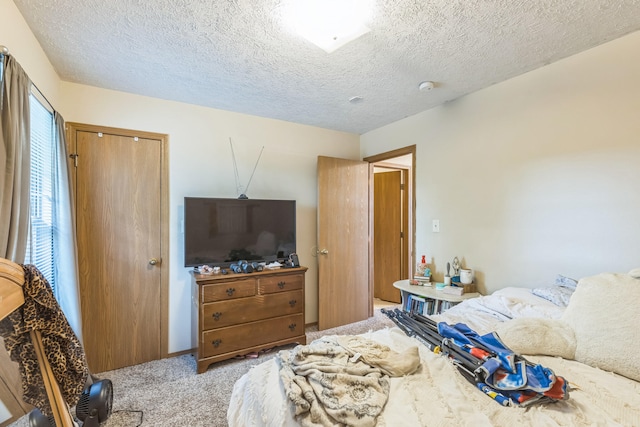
(344, 293)
(118, 209)
(388, 234)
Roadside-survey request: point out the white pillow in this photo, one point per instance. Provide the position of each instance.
(635, 273)
(530, 335)
(565, 281)
(559, 295)
(604, 313)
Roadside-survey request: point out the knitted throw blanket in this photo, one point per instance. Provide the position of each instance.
(341, 380)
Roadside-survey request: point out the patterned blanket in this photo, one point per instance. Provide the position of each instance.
(41, 312)
(342, 380)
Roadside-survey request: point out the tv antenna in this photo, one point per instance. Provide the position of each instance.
(235, 168)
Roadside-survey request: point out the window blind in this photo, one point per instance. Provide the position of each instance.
(41, 229)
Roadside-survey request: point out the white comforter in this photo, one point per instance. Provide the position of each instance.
(483, 313)
(437, 395)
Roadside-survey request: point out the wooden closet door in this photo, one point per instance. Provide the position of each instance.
(118, 206)
(387, 235)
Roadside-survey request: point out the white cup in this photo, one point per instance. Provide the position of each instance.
(447, 280)
(466, 276)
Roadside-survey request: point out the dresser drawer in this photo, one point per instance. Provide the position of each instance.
(232, 338)
(268, 285)
(228, 290)
(242, 310)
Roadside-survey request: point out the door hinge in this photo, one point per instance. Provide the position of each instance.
(75, 159)
(401, 187)
(402, 235)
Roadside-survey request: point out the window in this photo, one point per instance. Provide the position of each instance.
(41, 230)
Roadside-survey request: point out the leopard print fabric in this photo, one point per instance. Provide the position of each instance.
(41, 312)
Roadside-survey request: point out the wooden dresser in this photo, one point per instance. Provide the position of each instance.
(236, 314)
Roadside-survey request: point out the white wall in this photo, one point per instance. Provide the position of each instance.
(533, 177)
(16, 35)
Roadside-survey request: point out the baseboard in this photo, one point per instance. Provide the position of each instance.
(181, 353)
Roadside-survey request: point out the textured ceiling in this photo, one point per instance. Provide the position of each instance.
(237, 55)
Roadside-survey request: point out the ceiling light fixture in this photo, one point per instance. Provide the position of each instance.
(329, 24)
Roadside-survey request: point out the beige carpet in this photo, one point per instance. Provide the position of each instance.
(168, 392)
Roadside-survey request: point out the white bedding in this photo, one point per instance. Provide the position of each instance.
(437, 395)
(484, 313)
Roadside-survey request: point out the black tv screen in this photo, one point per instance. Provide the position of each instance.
(219, 232)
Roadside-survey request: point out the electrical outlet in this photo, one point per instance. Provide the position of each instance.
(436, 226)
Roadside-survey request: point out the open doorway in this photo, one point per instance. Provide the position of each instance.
(392, 227)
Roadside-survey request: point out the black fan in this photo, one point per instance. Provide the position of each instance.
(38, 419)
(95, 404)
(93, 408)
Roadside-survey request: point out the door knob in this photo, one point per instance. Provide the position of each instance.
(153, 261)
(323, 252)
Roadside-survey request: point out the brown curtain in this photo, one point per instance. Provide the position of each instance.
(15, 149)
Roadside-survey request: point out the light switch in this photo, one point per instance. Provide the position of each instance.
(436, 226)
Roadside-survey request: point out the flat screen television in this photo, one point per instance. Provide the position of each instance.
(219, 232)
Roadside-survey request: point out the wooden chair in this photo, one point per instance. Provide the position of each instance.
(11, 297)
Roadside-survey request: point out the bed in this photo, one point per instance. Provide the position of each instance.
(587, 333)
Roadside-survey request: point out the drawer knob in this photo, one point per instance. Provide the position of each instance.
(217, 315)
(217, 343)
(281, 284)
(292, 302)
(292, 326)
(231, 291)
